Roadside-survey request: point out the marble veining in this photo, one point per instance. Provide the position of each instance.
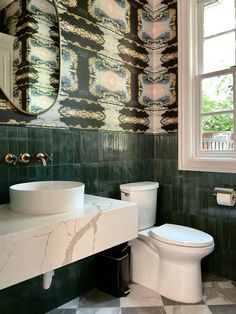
(33, 245)
(78, 235)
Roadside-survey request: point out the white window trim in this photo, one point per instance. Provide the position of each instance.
(188, 157)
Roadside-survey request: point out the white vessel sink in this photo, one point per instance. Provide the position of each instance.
(47, 197)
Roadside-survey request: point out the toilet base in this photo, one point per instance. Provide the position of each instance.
(184, 284)
(177, 271)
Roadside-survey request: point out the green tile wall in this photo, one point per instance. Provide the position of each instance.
(185, 197)
(30, 298)
(102, 160)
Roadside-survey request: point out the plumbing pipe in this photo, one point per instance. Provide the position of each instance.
(47, 279)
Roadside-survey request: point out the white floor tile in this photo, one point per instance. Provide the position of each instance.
(187, 309)
(109, 310)
(219, 293)
(141, 297)
(73, 304)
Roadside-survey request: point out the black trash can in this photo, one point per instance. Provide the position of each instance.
(112, 269)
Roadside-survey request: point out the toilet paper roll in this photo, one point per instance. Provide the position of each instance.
(225, 199)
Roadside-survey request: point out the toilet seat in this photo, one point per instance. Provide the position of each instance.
(181, 235)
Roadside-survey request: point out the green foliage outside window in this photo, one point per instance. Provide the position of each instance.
(221, 100)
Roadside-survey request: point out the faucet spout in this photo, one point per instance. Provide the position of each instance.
(44, 162)
(43, 158)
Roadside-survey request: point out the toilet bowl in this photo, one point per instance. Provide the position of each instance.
(166, 259)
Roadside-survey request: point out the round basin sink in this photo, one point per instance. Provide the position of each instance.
(47, 197)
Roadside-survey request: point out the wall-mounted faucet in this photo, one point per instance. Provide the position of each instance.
(26, 157)
(43, 158)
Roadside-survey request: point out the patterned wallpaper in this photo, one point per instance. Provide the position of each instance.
(119, 68)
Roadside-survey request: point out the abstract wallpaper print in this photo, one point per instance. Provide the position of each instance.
(158, 31)
(119, 65)
(113, 14)
(109, 80)
(69, 77)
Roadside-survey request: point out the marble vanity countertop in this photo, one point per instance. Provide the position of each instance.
(11, 222)
(31, 245)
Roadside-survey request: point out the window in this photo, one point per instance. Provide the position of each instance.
(207, 85)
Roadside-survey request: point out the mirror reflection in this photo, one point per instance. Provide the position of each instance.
(30, 54)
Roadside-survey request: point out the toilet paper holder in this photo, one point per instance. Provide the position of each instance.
(225, 196)
(224, 191)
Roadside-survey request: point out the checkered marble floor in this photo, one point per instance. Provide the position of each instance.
(219, 297)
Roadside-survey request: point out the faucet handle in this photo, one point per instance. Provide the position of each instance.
(49, 157)
(24, 158)
(11, 159)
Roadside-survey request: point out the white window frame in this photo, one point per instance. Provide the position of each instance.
(189, 157)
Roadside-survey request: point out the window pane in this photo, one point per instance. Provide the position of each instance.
(218, 17)
(219, 52)
(217, 93)
(217, 132)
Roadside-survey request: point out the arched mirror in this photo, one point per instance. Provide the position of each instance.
(30, 54)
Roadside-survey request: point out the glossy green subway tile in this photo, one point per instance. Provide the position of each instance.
(232, 233)
(66, 172)
(231, 262)
(189, 200)
(56, 146)
(23, 173)
(32, 173)
(177, 199)
(149, 146)
(89, 176)
(100, 146)
(125, 147)
(32, 139)
(171, 171)
(114, 175)
(48, 172)
(128, 169)
(88, 147)
(40, 140)
(40, 172)
(146, 170)
(103, 177)
(4, 142)
(197, 221)
(110, 147)
(13, 140)
(76, 172)
(22, 140)
(77, 145)
(165, 197)
(13, 174)
(134, 152)
(62, 147)
(48, 141)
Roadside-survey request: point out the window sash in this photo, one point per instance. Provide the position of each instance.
(200, 76)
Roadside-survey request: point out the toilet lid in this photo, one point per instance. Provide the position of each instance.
(139, 186)
(181, 235)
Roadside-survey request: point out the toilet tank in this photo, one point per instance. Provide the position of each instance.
(145, 195)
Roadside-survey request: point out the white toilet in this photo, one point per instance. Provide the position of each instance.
(166, 259)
